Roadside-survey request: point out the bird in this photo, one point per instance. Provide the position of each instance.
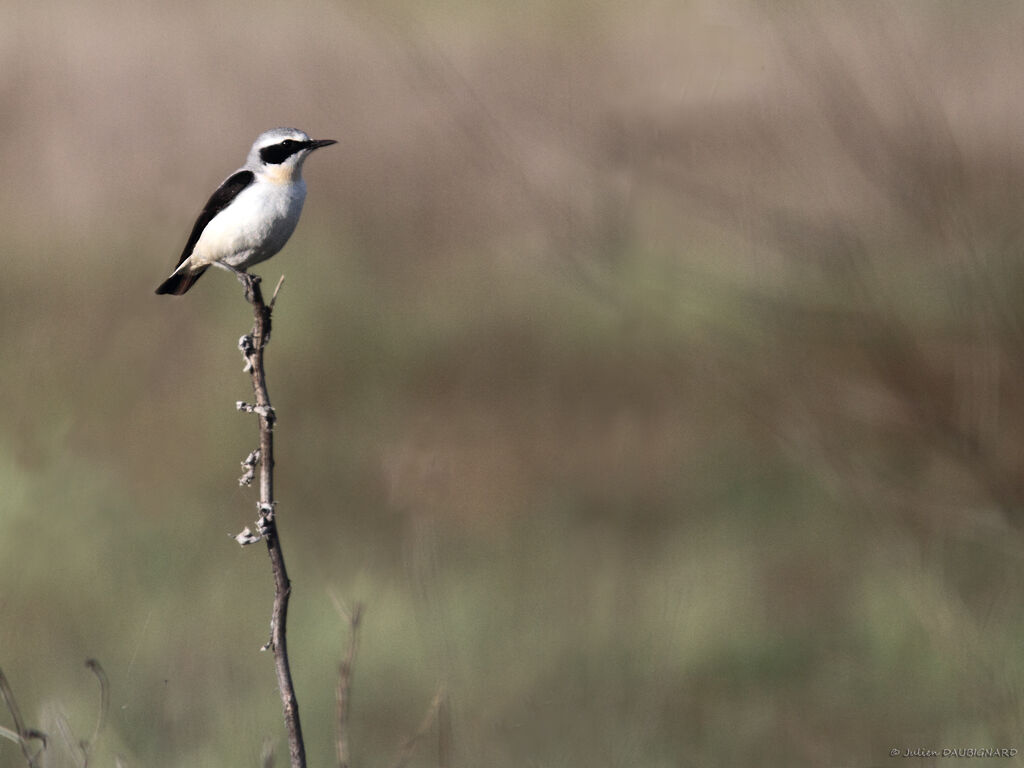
(253, 212)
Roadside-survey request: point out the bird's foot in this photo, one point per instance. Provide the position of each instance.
(251, 285)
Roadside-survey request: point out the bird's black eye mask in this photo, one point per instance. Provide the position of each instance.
(278, 153)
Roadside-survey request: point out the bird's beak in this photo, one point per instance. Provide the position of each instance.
(317, 143)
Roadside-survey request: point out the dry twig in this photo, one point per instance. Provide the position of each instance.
(21, 735)
(252, 346)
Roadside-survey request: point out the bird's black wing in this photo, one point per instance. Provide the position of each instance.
(218, 201)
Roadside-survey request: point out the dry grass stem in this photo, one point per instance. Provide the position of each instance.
(406, 752)
(344, 689)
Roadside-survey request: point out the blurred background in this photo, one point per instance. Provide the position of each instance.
(652, 372)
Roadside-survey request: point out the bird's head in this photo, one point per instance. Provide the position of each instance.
(278, 154)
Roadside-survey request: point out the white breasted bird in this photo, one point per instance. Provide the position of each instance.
(252, 214)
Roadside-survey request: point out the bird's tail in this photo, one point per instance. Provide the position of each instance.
(180, 281)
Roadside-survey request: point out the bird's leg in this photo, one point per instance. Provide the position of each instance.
(249, 282)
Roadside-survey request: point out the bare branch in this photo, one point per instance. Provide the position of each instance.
(252, 346)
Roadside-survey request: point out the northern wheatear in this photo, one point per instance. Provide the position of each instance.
(252, 214)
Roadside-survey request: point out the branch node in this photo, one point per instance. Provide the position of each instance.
(247, 537)
(247, 346)
(249, 466)
(266, 411)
